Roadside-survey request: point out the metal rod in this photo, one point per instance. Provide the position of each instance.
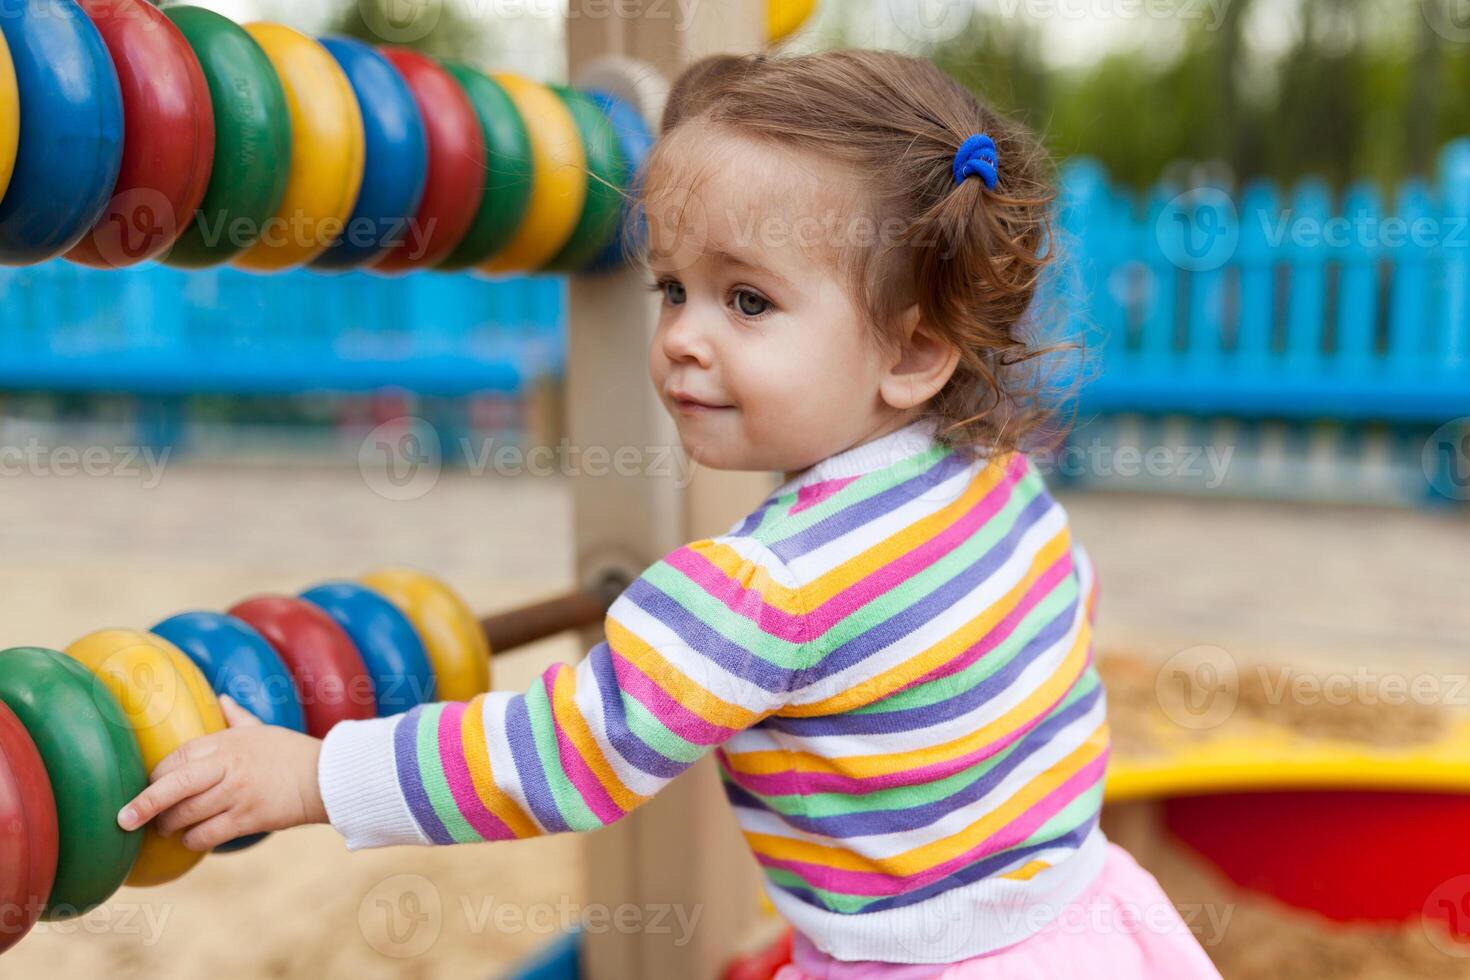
(518, 627)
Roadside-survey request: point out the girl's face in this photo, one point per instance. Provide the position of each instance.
(760, 354)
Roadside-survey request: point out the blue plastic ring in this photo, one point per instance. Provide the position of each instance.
(635, 140)
(71, 130)
(396, 168)
(239, 662)
(390, 647)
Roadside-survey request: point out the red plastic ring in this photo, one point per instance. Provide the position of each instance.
(456, 165)
(331, 680)
(28, 834)
(168, 136)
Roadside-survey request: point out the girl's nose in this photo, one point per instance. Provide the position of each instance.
(684, 339)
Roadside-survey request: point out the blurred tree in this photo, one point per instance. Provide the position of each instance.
(1358, 89)
(440, 28)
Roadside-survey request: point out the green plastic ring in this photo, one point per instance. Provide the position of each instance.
(252, 143)
(607, 170)
(508, 180)
(95, 769)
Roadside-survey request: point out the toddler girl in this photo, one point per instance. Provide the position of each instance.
(891, 655)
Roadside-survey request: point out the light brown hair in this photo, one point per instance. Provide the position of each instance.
(969, 256)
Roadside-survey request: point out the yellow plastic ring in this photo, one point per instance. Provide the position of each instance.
(783, 17)
(167, 702)
(452, 636)
(558, 177)
(327, 152)
(9, 116)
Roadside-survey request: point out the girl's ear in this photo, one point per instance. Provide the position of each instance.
(924, 364)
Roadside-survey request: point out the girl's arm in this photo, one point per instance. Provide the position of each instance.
(705, 643)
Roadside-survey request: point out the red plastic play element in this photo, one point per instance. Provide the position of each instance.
(1351, 855)
(456, 165)
(168, 136)
(28, 834)
(330, 677)
(762, 965)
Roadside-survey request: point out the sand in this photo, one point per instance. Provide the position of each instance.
(85, 553)
(1284, 586)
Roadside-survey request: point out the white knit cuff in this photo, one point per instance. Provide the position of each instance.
(358, 777)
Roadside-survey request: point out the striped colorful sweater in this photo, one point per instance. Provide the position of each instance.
(891, 658)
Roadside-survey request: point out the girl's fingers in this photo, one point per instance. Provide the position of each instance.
(195, 750)
(194, 810)
(212, 833)
(237, 716)
(178, 785)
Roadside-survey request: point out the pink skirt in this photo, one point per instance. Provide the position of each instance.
(1123, 927)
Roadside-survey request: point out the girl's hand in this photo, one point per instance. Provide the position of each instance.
(245, 780)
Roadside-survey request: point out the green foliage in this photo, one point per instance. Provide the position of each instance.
(439, 28)
(1356, 92)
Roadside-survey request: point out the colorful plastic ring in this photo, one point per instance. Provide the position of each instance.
(636, 142)
(239, 662)
(456, 645)
(389, 644)
(607, 182)
(28, 834)
(9, 116)
(508, 170)
(332, 683)
(252, 141)
(396, 165)
(71, 130)
(166, 702)
(327, 151)
(168, 136)
(95, 769)
(559, 184)
(456, 165)
(784, 17)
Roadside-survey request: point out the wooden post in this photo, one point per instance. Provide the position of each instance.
(679, 854)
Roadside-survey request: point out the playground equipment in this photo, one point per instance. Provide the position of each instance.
(136, 134)
(80, 730)
(677, 848)
(620, 65)
(1276, 811)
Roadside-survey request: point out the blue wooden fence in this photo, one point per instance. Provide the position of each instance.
(1256, 304)
(158, 331)
(1269, 303)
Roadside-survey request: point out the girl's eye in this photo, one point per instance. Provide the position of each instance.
(750, 304)
(672, 290)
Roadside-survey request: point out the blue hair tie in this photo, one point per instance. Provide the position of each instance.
(976, 157)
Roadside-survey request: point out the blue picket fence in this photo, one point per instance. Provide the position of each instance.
(159, 331)
(1202, 301)
(1269, 303)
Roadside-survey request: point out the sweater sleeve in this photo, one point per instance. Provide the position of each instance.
(705, 643)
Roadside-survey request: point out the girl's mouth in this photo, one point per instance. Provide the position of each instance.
(694, 406)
